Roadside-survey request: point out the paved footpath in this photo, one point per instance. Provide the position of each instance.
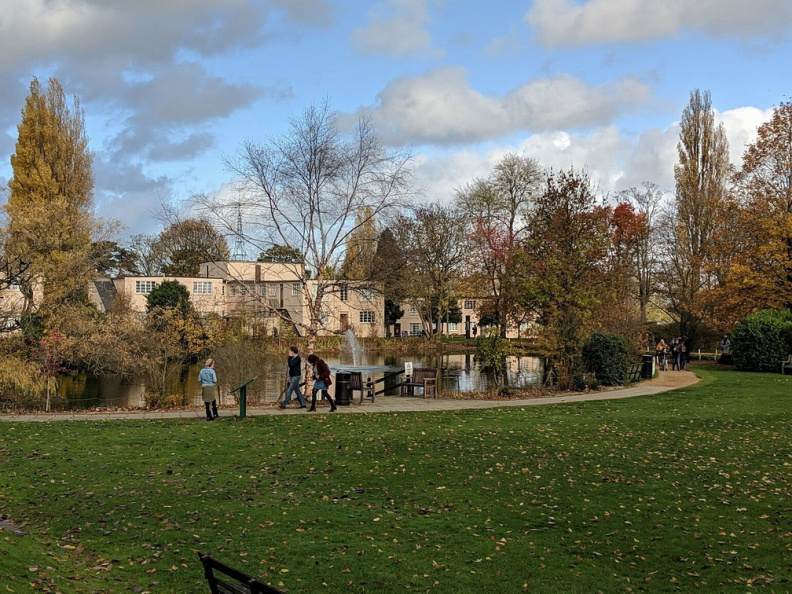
(668, 380)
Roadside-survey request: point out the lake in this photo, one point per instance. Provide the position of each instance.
(458, 373)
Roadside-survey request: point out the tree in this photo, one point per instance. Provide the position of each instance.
(189, 242)
(112, 259)
(761, 274)
(565, 265)
(168, 294)
(149, 254)
(388, 272)
(434, 247)
(283, 254)
(310, 190)
(50, 205)
(361, 247)
(701, 176)
(635, 231)
(496, 211)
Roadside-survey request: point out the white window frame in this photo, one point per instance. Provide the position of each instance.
(470, 304)
(144, 287)
(415, 329)
(343, 293)
(368, 317)
(453, 327)
(273, 290)
(202, 288)
(295, 289)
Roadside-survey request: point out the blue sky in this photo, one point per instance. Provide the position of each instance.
(171, 87)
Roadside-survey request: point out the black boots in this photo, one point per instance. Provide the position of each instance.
(211, 415)
(325, 394)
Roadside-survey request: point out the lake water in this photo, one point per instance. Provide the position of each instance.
(458, 373)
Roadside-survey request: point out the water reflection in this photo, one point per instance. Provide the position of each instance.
(458, 373)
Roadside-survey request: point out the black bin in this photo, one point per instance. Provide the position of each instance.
(647, 367)
(343, 391)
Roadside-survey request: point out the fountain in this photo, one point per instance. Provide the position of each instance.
(353, 347)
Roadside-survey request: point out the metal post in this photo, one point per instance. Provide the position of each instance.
(242, 402)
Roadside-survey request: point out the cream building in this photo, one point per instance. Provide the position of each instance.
(269, 295)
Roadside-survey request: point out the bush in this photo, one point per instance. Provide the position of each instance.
(607, 357)
(760, 341)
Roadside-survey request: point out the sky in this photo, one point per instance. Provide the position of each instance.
(171, 89)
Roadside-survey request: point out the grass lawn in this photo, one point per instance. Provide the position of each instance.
(686, 491)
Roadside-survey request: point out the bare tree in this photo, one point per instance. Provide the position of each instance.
(310, 189)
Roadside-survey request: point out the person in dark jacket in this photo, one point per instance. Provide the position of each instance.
(322, 381)
(295, 373)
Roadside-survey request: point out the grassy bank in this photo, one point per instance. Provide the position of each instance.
(684, 491)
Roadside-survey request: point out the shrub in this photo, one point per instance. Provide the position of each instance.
(607, 357)
(761, 340)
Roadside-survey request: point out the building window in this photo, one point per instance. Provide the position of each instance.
(263, 290)
(238, 290)
(202, 288)
(366, 295)
(415, 329)
(343, 293)
(470, 305)
(453, 327)
(295, 289)
(413, 310)
(14, 287)
(145, 287)
(273, 290)
(367, 317)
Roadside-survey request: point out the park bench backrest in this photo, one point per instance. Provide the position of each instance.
(423, 373)
(241, 584)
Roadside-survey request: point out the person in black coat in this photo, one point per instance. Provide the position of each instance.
(295, 373)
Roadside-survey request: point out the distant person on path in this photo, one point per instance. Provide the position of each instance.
(322, 381)
(475, 330)
(725, 345)
(295, 373)
(208, 379)
(675, 354)
(662, 355)
(683, 354)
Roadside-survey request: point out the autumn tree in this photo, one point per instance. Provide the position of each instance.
(761, 274)
(50, 206)
(361, 246)
(388, 272)
(495, 211)
(311, 189)
(701, 175)
(565, 268)
(281, 253)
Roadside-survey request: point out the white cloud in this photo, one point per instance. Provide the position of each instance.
(396, 28)
(570, 22)
(440, 107)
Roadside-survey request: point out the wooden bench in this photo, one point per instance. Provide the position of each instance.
(422, 377)
(241, 584)
(356, 383)
(634, 375)
(786, 364)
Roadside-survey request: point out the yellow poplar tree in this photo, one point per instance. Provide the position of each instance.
(50, 205)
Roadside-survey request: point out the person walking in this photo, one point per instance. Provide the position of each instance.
(208, 379)
(295, 373)
(675, 354)
(322, 381)
(662, 355)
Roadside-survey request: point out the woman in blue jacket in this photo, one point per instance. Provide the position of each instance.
(208, 379)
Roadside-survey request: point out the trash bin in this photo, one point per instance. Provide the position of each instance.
(343, 392)
(647, 368)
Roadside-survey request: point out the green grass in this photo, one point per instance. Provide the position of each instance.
(689, 490)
